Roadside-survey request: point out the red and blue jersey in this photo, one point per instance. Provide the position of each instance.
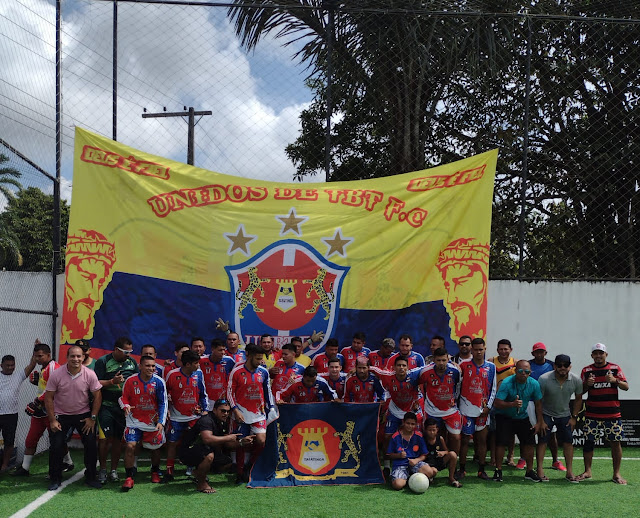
(414, 360)
(286, 376)
(477, 388)
(350, 357)
(238, 357)
(187, 395)
(440, 392)
(321, 362)
(337, 385)
(377, 360)
(367, 391)
(300, 393)
(402, 393)
(216, 377)
(249, 392)
(414, 447)
(147, 401)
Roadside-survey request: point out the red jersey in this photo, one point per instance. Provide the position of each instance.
(603, 402)
(321, 362)
(44, 377)
(249, 393)
(216, 377)
(402, 393)
(377, 360)
(367, 391)
(414, 360)
(286, 376)
(300, 393)
(147, 401)
(477, 388)
(187, 395)
(350, 357)
(238, 357)
(440, 392)
(336, 385)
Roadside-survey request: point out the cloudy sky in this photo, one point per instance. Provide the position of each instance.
(169, 57)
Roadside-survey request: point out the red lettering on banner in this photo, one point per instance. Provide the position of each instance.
(414, 217)
(163, 204)
(130, 164)
(428, 183)
(285, 193)
(355, 197)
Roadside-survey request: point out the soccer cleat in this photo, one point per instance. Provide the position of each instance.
(483, 475)
(113, 476)
(93, 483)
(521, 464)
(155, 477)
(533, 476)
(497, 475)
(54, 485)
(558, 465)
(128, 484)
(189, 471)
(20, 472)
(102, 476)
(66, 466)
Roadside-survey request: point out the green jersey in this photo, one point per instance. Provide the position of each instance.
(106, 368)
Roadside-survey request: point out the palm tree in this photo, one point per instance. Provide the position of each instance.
(393, 64)
(8, 176)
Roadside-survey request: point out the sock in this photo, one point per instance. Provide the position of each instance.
(130, 472)
(67, 459)
(26, 461)
(480, 467)
(170, 464)
(155, 468)
(135, 461)
(387, 464)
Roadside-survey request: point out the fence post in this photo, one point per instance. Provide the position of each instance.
(525, 164)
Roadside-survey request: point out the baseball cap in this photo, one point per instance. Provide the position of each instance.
(563, 358)
(599, 347)
(539, 346)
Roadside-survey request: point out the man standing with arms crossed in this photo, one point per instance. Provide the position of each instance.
(602, 380)
(557, 387)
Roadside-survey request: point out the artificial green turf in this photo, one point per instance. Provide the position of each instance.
(557, 498)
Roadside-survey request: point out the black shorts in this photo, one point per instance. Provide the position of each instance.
(436, 462)
(8, 425)
(194, 455)
(507, 427)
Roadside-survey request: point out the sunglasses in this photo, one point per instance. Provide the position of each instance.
(124, 350)
(566, 365)
(465, 343)
(223, 411)
(523, 371)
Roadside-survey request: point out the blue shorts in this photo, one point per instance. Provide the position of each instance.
(404, 472)
(470, 425)
(563, 430)
(177, 429)
(392, 424)
(151, 440)
(610, 429)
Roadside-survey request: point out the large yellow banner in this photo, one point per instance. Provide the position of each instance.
(158, 249)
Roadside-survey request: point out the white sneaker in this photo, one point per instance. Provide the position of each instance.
(113, 476)
(102, 476)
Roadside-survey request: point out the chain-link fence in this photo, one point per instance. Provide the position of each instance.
(403, 84)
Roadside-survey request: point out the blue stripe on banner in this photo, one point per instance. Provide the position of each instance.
(162, 313)
(320, 443)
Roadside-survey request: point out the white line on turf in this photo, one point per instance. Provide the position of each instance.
(26, 511)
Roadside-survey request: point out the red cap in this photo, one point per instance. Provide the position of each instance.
(539, 346)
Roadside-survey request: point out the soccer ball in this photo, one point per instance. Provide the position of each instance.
(418, 482)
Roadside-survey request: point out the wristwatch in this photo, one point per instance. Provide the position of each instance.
(94, 417)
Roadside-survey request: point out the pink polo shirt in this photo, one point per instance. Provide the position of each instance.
(72, 392)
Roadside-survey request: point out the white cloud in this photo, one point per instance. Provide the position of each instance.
(169, 56)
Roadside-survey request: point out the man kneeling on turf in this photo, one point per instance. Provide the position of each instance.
(144, 402)
(208, 443)
(438, 455)
(408, 452)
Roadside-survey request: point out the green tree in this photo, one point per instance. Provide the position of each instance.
(8, 176)
(29, 217)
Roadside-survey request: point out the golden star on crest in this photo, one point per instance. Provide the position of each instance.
(337, 244)
(291, 222)
(239, 241)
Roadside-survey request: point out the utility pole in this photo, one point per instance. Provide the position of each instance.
(191, 120)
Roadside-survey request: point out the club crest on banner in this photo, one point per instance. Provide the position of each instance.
(288, 289)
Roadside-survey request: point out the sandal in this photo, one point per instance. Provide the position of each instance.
(619, 480)
(573, 480)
